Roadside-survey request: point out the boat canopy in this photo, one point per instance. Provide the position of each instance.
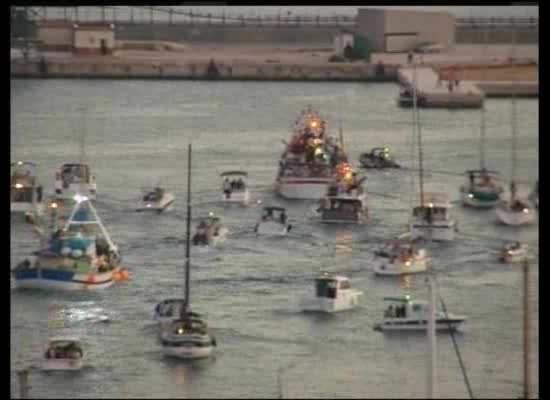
(229, 173)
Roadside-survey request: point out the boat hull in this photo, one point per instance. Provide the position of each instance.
(236, 197)
(400, 324)
(509, 217)
(324, 305)
(488, 200)
(302, 188)
(164, 205)
(56, 280)
(188, 353)
(438, 233)
(62, 364)
(271, 228)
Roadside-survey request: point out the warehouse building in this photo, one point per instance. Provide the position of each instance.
(83, 38)
(398, 30)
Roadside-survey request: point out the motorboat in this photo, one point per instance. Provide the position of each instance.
(75, 178)
(310, 157)
(482, 189)
(25, 191)
(209, 232)
(333, 293)
(344, 204)
(404, 314)
(79, 256)
(168, 310)
(157, 200)
(514, 252)
(235, 187)
(379, 158)
(187, 336)
(63, 354)
(432, 219)
(272, 224)
(515, 211)
(400, 257)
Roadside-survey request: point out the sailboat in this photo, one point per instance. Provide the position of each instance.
(431, 219)
(482, 189)
(187, 337)
(516, 211)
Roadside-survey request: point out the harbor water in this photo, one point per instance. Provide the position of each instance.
(135, 133)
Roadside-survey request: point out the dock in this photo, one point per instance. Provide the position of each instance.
(437, 94)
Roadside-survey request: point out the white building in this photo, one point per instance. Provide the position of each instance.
(341, 41)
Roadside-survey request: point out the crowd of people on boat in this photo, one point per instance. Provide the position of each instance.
(70, 351)
(232, 185)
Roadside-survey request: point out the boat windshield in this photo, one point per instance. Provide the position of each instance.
(326, 288)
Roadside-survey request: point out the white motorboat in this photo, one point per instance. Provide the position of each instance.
(209, 232)
(515, 211)
(271, 224)
(344, 206)
(80, 256)
(186, 337)
(400, 258)
(432, 219)
(168, 310)
(235, 187)
(75, 178)
(378, 158)
(157, 200)
(25, 191)
(514, 252)
(404, 314)
(482, 189)
(63, 354)
(308, 162)
(333, 293)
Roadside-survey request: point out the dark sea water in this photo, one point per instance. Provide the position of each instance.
(249, 289)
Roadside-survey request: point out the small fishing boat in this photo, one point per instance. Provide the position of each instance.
(186, 337)
(333, 293)
(25, 191)
(157, 200)
(209, 232)
(235, 187)
(79, 256)
(63, 354)
(432, 219)
(400, 257)
(378, 158)
(514, 252)
(515, 211)
(75, 178)
(168, 310)
(404, 314)
(272, 224)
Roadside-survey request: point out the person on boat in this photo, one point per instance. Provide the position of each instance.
(227, 188)
(240, 184)
(471, 179)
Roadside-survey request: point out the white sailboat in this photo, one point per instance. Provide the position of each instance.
(186, 337)
(432, 218)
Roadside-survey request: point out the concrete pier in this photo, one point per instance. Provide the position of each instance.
(437, 94)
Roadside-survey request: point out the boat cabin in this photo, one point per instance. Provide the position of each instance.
(74, 173)
(434, 208)
(154, 195)
(396, 250)
(169, 308)
(64, 348)
(404, 307)
(193, 323)
(482, 178)
(23, 183)
(328, 285)
(274, 214)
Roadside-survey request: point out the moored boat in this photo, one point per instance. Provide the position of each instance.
(25, 191)
(157, 200)
(235, 187)
(400, 258)
(333, 293)
(63, 354)
(75, 178)
(272, 224)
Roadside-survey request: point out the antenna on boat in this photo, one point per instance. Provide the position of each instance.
(187, 307)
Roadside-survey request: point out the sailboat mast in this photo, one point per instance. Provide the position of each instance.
(482, 141)
(188, 233)
(416, 118)
(513, 125)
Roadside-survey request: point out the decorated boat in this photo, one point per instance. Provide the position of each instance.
(345, 202)
(308, 162)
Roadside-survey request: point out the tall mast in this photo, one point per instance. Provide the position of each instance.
(482, 133)
(513, 125)
(416, 123)
(188, 233)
